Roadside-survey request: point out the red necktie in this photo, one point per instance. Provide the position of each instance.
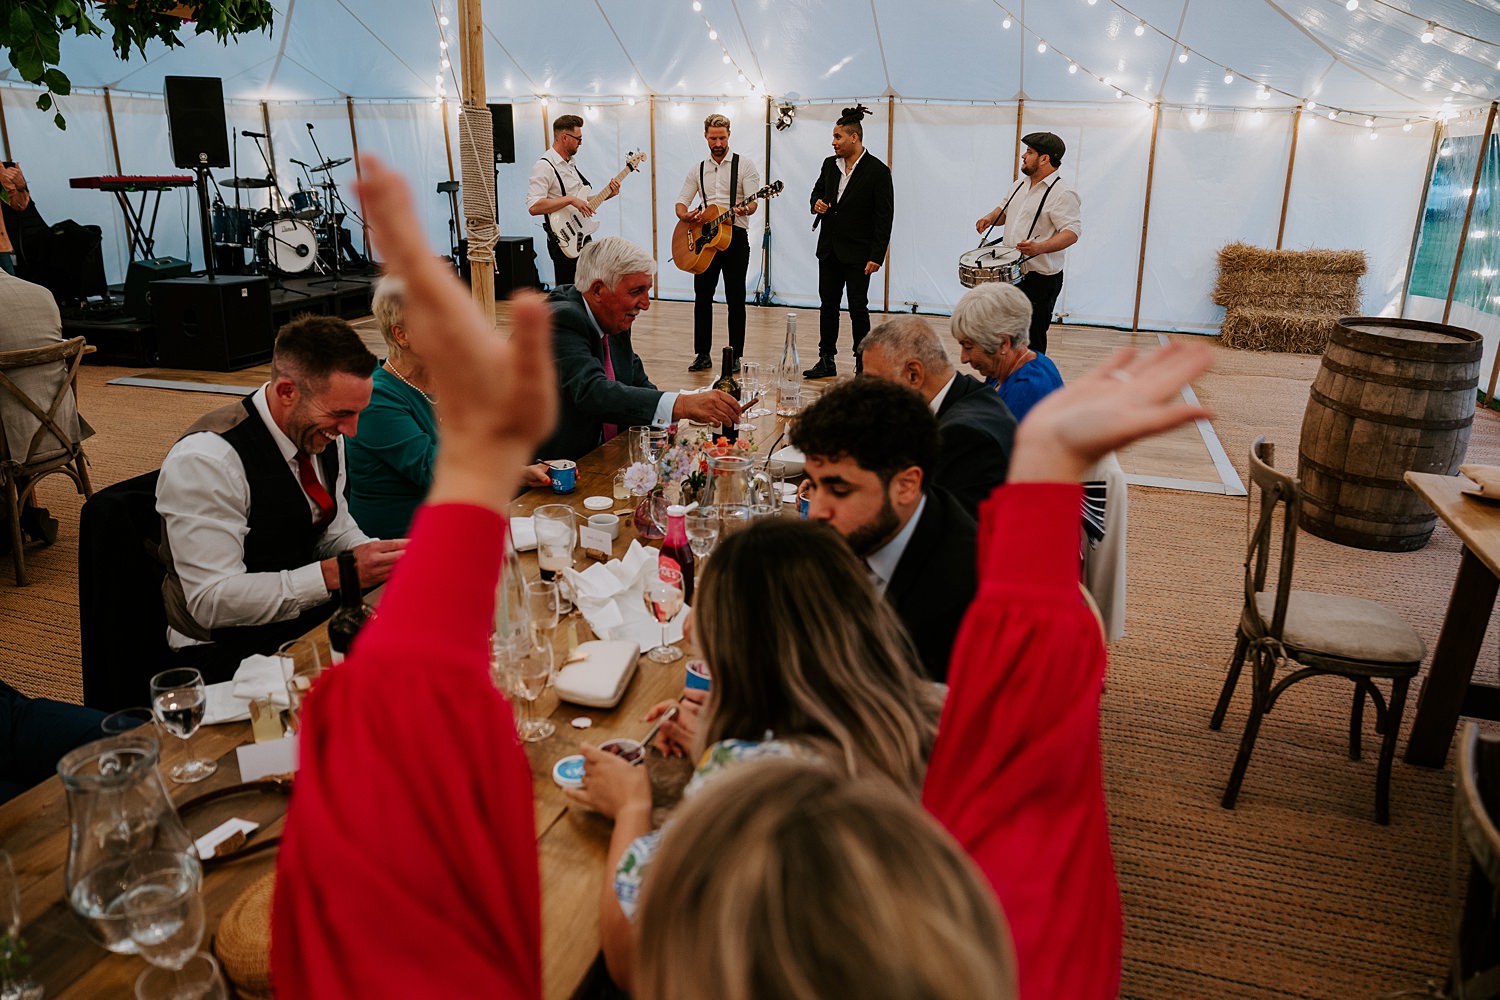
(315, 491)
(610, 430)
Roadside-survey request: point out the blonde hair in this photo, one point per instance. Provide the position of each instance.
(800, 644)
(715, 121)
(784, 879)
(388, 306)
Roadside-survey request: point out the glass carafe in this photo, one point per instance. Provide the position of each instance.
(122, 826)
(734, 486)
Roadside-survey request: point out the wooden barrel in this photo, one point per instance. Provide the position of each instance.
(1392, 395)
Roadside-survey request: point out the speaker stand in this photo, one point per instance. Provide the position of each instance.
(204, 224)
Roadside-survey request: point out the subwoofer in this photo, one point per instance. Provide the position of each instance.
(219, 325)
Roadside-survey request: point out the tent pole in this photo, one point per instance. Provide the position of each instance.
(4, 132)
(655, 255)
(546, 131)
(1416, 229)
(114, 143)
(471, 37)
(359, 174)
(265, 125)
(1140, 268)
(1015, 164)
(1291, 162)
(890, 152)
(1463, 234)
(764, 298)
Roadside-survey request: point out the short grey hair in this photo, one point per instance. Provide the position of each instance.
(610, 259)
(715, 121)
(909, 337)
(388, 305)
(990, 315)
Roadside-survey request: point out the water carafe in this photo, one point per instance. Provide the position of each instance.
(734, 486)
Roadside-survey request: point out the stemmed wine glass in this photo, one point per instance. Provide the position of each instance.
(703, 530)
(178, 701)
(164, 911)
(524, 667)
(663, 600)
(750, 388)
(12, 987)
(765, 381)
(199, 979)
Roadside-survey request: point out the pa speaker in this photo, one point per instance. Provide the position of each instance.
(505, 133)
(196, 125)
(219, 325)
(141, 274)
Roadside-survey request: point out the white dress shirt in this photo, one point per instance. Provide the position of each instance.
(543, 183)
(846, 173)
(1060, 212)
(716, 185)
(937, 401)
(204, 499)
(884, 560)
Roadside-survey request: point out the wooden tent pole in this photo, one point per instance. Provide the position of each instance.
(471, 54)
(359, 174)
(1015, 160)
(1463, 234)
(1140, 268)
(4, 131)
(546, 127)
(655, 254)
(1291, 162)
(890, 152)
(1416, 229)
(114, 145)
(265, 124)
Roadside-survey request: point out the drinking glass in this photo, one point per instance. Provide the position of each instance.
(544, 603)
(663, 601)
(164, 911)
(527, 667)
(756, 383)
(12, 987)
(789, 396)
(199, 979)
(178, 702)
(301, 663)
(640, 444)
(621, 491)
(556, 533)
(703, 530)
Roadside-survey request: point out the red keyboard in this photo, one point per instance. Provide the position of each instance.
(131, 183)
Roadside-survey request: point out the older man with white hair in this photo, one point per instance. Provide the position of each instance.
(603, 386)
(992, 326)
(975, 426)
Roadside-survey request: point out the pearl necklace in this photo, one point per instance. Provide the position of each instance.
(392, 369)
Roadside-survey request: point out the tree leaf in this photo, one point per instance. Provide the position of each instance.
(60, 122)
(57, 81)
(44, 103)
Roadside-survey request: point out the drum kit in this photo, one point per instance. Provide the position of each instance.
(294, 234)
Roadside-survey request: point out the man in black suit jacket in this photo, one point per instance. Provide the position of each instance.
(602, 385)
(870, 446)
(854, 204)
(976, 427)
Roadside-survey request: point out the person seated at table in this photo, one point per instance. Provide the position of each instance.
(975, 427)
(35, 733)
(870, 448)
(252, 501)
(992, 324)
(364, 870)
(602, 384)
(390, 459)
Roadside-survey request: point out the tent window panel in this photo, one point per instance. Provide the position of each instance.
(1442, 224)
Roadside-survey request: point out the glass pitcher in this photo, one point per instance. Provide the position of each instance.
(734, 486)
(122, 825)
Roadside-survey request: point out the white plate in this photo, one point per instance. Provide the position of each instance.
(791, 458)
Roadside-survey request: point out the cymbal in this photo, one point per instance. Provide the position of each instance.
(330, 164)
(246, 182)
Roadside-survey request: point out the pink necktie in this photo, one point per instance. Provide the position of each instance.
(610, 430)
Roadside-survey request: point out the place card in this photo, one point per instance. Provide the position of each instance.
(257, 760)
(209, 843)
(594, 540)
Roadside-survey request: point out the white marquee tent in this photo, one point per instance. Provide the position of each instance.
(1240, 93)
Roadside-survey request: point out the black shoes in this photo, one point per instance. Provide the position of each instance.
(736, 364)
(823, 369)
(700, 364)
(38, 526)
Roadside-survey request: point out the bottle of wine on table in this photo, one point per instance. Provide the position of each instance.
(352, 613)
(728, 383)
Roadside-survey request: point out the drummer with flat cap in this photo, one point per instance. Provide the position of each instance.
(1040, 215)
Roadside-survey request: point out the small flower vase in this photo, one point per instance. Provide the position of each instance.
(651, 516)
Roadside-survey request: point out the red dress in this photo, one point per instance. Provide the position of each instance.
(1016, 774)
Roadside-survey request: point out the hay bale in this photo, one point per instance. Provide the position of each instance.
(1325, 281)
(1247, 329)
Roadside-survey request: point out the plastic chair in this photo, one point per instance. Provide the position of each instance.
(1318, 634)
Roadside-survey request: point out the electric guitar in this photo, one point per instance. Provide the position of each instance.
(694, 245)
(570, 227)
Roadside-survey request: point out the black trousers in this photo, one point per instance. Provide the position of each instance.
(35, 732)
(564, 266)
(732, 262)
(1042, 290)
(834, 278)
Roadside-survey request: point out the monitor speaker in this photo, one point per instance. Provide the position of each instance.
(505, 133)
(196, 126)
(219, 325)
(141, 274)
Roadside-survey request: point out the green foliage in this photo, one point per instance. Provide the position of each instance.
(32, 31)
(13, 956)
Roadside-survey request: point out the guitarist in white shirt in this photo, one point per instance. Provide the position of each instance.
(556, 183)
(720, 180)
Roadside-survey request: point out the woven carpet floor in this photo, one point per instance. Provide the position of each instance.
(1295, 893)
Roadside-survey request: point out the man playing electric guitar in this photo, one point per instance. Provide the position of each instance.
(556, 183)
(720, 179)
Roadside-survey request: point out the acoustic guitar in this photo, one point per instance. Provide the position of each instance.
(570, 227)
(694, 245)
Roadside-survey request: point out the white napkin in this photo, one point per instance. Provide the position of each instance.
(257, 677)
(523, 533)
(609, 595)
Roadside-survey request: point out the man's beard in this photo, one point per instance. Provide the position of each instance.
(1028, 171)
(869, 537)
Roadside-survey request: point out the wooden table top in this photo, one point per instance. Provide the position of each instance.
(1475, 521)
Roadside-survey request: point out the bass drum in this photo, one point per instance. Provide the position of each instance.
(990, 263)
(289, 246)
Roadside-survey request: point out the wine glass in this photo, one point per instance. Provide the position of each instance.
(13, 987)
(750, 389)
(703, 530)
(164, 911)
(528, 666)
(301, 663)
(198, 979)
(178, 702)
(663, 601)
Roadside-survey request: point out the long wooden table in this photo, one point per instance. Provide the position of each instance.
(1448, 691)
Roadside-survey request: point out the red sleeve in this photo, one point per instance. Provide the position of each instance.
(408, 866)
(1016, 774)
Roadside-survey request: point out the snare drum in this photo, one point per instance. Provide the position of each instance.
(990, 263)
(305, 205)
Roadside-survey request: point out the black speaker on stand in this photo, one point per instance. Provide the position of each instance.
(504, 125)
(199, 134)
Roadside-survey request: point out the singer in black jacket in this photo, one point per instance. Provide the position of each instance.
(855, 230)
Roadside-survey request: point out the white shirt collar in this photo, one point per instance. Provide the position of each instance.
(263, 407)
(848, 167)
(883, 561)
(937, 401)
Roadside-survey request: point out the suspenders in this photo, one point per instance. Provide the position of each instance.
(1040, 205)
(734, 180)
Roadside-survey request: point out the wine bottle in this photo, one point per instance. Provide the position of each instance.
(789, 382)
(728, 383)
(675, 564)
(352, 613)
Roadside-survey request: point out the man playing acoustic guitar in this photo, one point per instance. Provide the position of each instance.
(556, 183)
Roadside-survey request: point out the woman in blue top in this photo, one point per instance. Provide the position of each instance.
(992, 325)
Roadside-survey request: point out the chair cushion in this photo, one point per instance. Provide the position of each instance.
(1350, 628)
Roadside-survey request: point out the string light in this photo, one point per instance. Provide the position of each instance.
(1262, 93)
(1072, 67)
(1041, 46)
(1406, 126)
(1312, 105)
(1352, 5)
(1228, 75)
(1182, 56)
(1429, 32)
(697, 7)
(1140, 28)
(1006, 23)
(713, 35)
(1374, 136)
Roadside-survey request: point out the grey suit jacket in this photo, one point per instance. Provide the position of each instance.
(29, 318)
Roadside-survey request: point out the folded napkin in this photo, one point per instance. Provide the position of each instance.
(257, 677)
(609, 595)
(1488, 478)
(523, 533)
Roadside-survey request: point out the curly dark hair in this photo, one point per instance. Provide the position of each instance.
(310, 348)
(852, 117)
(882, 426)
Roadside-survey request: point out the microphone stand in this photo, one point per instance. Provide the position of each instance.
(333, 198)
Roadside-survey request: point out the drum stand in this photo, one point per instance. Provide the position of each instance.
(334, 202)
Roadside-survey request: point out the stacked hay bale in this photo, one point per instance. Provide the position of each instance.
(1285, 300)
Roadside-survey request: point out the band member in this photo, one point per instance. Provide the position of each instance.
(1040, 215)
(723, 179)
(557, 183)
(18, 197)
(854, 202)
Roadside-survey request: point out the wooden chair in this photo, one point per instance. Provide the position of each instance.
(1319, 634)
(1474, 971)
(52, 449)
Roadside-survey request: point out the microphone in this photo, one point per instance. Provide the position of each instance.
(297, 161)
(309, 126)
(253, 135)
